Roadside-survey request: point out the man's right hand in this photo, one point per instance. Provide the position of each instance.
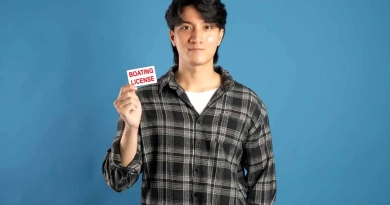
(128, 106)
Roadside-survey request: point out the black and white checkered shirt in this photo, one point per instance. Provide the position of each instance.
(189, 158)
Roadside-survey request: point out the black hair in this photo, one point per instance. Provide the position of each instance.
(212, 11)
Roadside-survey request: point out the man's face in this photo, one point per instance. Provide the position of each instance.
(195, 40)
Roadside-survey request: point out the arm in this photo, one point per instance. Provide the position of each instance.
(119, 176)
(259, 161)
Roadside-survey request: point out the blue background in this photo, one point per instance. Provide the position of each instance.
(321, 67)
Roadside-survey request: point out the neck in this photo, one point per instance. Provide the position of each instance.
(198, 78)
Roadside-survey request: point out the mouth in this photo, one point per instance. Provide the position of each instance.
(196, 49)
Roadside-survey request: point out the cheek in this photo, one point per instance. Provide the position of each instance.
(179, 43)
(211, 39)
(181, 40)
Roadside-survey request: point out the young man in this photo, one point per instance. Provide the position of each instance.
(194, 132)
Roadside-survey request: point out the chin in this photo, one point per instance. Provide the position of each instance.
(198, 62)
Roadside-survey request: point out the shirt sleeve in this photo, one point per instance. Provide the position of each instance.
(259, 160)
(117, 176)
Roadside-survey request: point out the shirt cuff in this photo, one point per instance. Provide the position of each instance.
(134, 167)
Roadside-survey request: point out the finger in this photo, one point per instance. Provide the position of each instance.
(120, 103)
(127, 102)
(126, 95)
(127, 108)
(127, 88)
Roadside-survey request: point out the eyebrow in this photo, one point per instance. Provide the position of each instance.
(181, 22)
(187, 22)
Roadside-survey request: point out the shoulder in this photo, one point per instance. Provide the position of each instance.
(147, 90)
(150, 91)
(249, 94)
(239, 91)
(153, 90)
(255, 103)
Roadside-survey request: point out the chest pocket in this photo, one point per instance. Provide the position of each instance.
(231, 131)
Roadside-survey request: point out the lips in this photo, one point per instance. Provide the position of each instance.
(196, 49)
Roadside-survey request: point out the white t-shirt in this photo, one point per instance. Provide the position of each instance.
(200, 99)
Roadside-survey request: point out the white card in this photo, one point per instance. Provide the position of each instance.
(142, 76)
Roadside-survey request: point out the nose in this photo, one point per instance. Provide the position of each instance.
(196, 35)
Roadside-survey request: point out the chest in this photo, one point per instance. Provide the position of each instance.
(175, 125)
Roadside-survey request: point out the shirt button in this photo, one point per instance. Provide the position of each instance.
(195, 195)
(197, 143)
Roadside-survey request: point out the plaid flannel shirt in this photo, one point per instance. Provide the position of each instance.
(189, 158)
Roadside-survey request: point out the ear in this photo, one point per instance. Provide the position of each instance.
(172, 37)
(221, 34)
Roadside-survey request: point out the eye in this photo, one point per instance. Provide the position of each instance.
(185, 28)
(209, 27)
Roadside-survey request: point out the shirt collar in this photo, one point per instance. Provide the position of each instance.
(168, 79)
